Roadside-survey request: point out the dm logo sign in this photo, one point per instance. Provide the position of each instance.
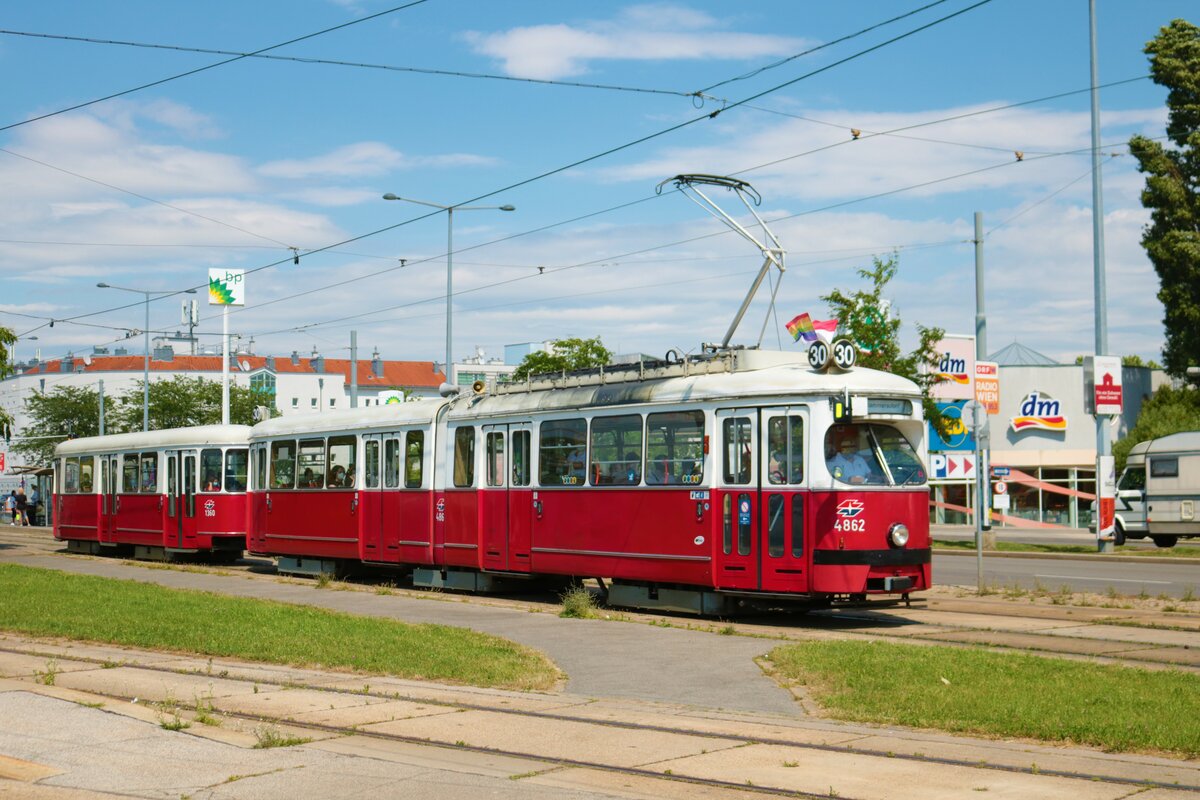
(953, 370)
(1039, 412)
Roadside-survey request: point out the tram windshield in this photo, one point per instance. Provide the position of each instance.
(873, 455)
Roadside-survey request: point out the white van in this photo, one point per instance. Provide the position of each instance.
(1172, 474)
(1131, 497)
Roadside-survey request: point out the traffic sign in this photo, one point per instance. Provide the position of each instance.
(1001, 472)
(1000, 487)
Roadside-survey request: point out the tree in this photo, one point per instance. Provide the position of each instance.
(7, 340)
(1167, 411)
(567, 354)
(1172, 193)
(65, 412)
(184, 402)
(870, 321)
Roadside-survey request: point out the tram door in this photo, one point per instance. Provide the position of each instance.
(506, 505)
(761, 512)
(181, 496)
(110, 503)
(737, 559)
(782, 549)
(371, 514)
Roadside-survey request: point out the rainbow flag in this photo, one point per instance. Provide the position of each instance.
(804, 327)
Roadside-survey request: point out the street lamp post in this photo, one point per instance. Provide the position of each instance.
(449, 269)
(146, 361)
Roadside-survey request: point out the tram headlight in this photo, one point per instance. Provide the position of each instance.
(898, 534)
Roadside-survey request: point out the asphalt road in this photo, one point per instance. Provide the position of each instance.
(1092, 574)
(1072, 536)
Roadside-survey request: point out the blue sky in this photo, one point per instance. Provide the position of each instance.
(234, 165)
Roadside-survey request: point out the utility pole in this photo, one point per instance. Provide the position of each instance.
(987, 538)
(1103, 446)
(100, 389)
(354, 369)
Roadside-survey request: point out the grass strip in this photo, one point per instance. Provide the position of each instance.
(49, 603)
(1000, 694)
(1019, 547)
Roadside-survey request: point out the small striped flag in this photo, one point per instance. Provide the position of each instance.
(804, 327)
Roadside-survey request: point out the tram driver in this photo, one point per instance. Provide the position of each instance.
(846, 463)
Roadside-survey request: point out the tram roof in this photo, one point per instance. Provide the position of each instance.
(416, 412)
(175, 437)
(766, 378)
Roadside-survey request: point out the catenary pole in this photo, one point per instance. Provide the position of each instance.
(354, 369)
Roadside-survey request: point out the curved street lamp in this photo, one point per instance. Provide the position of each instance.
(449, 385)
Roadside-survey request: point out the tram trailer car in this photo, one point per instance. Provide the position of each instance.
(745, 478)
(160, 494)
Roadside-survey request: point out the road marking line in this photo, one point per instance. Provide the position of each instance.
(1102, 580)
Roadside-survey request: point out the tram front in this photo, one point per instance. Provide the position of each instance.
(870, 498)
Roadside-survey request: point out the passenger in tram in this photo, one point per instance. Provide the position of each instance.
(308, 480)
(211, 484)
(337, 477)
(577, 465)
(630, 461)
(775, 469)
(348, 480)
(846, 463)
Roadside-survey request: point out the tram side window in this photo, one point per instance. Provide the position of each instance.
(341, 461)
(616, 450)
(310, 464)
(86, 471)
(785, 444)
(735, 436)
(149, 472)
(675, 448)
(283, 465)
(495, 458)
(415, 459)
(562, 452)
(260, 471)
(464, 456)
(70, 476)
(371, 464)
(235, 470)
(129, 473)
(391, 464)
(520, 458)
(210, 469)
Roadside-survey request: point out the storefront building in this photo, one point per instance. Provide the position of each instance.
(1045, 435)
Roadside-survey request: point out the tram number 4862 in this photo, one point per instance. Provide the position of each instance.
(850, 525)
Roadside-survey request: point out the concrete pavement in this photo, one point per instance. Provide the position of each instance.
(84, 733)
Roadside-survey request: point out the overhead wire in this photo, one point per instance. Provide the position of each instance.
(357, 64)
(604, 153)
(721, 232)
(207, 67)
(824, 45)
(144, 197)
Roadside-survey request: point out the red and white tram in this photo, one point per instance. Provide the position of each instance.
(159, 494)
(742, 477)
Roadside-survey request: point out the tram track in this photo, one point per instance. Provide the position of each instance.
(946, 624)
(732, 739)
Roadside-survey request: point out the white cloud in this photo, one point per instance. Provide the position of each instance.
(362, 159)
(640, 33)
